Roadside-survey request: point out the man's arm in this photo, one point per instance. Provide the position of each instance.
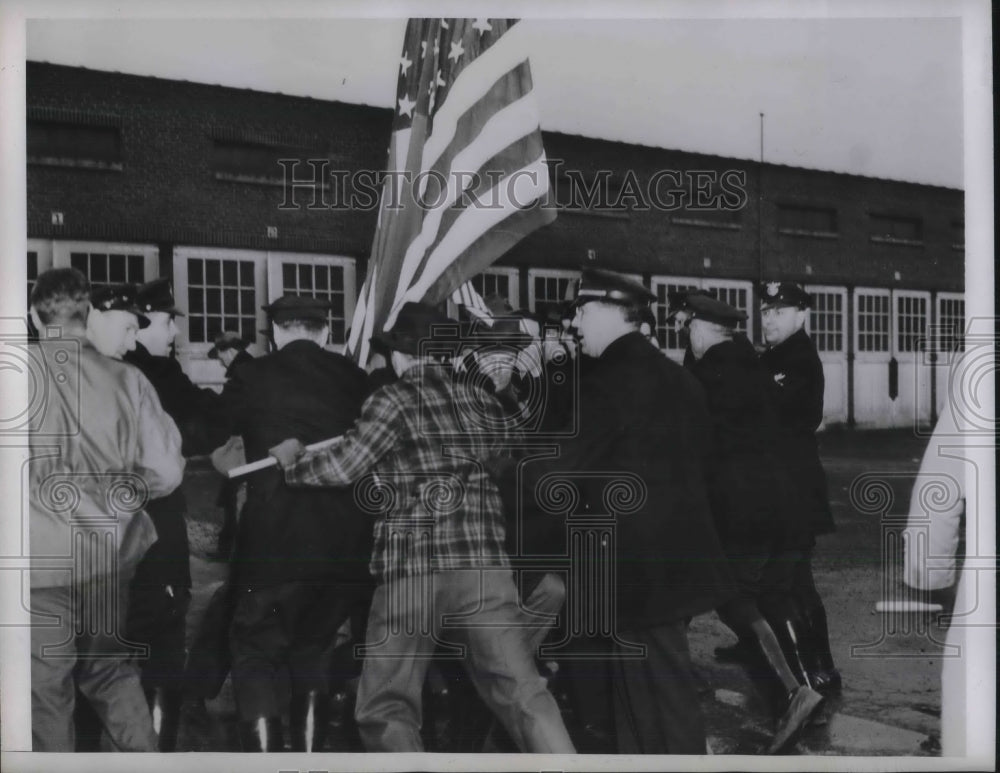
(159, 458)
(373, 435)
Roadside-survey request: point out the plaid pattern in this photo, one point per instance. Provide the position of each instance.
(422, 439)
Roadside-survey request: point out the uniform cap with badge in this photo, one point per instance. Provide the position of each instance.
(598, 284)
(679, 300)
(158, 295)
(776, 295)
(118, 298)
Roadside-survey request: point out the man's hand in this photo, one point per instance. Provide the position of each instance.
(287, 452)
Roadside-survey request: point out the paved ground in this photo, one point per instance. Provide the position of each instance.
(891, 699)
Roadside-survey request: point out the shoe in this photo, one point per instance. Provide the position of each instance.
(826, 681)
(802, 704)
(165, 709)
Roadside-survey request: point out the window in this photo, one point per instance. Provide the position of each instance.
(498, 281)
(320, 280)
(951, 323)
(873, 322)
(911, 323)
(550, 289)
(666, 334)
(826, 319)
(221, 296)
(892, 229)
(257, 162)
(729, 219)
(807, 221)
(105, 268)
(58, 143)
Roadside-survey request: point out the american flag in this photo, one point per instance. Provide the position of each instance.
(466, 172)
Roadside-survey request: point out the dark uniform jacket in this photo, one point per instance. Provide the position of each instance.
(798, 387)
(748, 486)
(644, 423)
(288, 534)
(196, 412)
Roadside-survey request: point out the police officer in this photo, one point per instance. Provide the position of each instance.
(231, 350)
(642, 418)
(749, 492)
(798, 384)
(300, 564)
(161, 589)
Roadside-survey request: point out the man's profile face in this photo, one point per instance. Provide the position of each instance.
(112, 332)
(160, 334)
(779, 323)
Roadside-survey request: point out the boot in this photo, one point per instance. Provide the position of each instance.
(802, 704)
(165, 709)
(309, 717)
(263, 734)
(823, 675)
(788, 632)
(801, 701)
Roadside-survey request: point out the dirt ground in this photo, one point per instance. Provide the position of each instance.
(891, 667)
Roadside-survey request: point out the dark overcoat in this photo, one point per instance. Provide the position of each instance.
(749, 488)
(798, 384)
(288, 534)
(640, 452)
(196, 412)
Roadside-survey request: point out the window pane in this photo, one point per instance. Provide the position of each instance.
(195, 274)
(213, 273)
(213, 301)
(322, 277)
(305, 279)
(196, 330)
(116, 269)
(98, 268)
(195, 300)
(246, 273)
(213, 326)
(229, 272)
(230, 302)
(136, 268)
(247, 302)
(288, 276)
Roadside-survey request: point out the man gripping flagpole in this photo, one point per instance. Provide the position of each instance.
(466, 176)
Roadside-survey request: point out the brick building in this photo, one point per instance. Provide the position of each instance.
(132, 177)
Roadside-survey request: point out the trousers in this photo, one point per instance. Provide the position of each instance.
(656, 697)
(474, 615)
(80, 647)
(281, 642)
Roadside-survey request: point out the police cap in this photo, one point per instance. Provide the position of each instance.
(118, 298)
(713, 310)
(598, 284)
(779, 294)
(158, 296)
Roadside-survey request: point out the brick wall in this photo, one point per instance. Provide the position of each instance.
(166, 193)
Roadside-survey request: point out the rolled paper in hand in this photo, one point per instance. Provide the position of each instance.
(270, 461)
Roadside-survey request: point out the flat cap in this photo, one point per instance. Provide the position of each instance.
(224, 341)
(289, 307)
(778, 294)
(713, 310)
(157, 295)
(598, 284)
(118, 298)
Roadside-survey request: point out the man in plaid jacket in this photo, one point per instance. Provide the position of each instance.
(444, 579)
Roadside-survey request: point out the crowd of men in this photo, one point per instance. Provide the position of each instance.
(430, 514)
